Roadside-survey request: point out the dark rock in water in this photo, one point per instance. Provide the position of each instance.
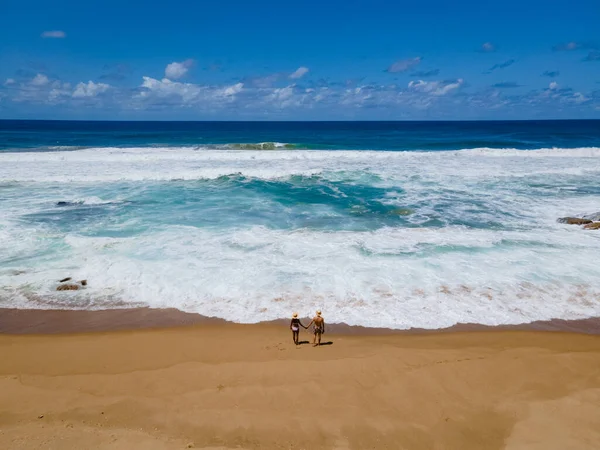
(62, 203)
(71, 286)
(593, 217)
(68, 287)
(592, 226)
(574, 221)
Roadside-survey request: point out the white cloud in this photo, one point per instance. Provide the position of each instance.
(578, 97)
(232, 90)
(277, 99)
(418, 98)
(570, 46)
(170, 92)
(423, 86)
(57, 34)
(176, 70)
(449, 87)
(264, 82)
(89, 89)
(357, 97)
(299, 73)
(488, 47)
(9, 81)
(59, 92)
(282, 94)
(404, 64)
(39, 80)
(167, 88)
(438, 88)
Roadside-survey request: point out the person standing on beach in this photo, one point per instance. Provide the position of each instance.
(319, 328)
(295, 325)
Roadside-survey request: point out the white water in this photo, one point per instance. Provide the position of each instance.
(185, 163)
(527, 268)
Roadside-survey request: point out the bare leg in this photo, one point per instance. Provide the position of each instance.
(317, 335)
(296, 333)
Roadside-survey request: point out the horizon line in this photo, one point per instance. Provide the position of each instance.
(302, 121)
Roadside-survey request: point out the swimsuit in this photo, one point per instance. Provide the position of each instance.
(295, 323)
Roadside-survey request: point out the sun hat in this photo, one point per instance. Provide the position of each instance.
(318, 312)
(295, 315)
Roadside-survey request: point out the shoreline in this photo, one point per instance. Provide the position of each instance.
(38, 321)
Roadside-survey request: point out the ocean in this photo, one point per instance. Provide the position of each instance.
(380, 224)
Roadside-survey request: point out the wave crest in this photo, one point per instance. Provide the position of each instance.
(191, 163)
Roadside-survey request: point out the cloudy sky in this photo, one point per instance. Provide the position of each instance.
(315, 60)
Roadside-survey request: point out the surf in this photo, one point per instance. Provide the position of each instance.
(376, 238)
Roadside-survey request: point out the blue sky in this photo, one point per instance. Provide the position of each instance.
(314, 60)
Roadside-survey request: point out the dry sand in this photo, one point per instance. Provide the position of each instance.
(222, 386)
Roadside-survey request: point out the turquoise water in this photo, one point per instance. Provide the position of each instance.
(372, 237)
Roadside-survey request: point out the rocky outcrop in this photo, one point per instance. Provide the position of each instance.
(592, 226)
(589, 222)
(71, 286)
(574, 221)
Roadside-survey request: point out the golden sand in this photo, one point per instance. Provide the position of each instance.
(225, 386)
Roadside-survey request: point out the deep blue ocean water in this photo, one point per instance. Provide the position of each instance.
(304, 135)
(394, 224)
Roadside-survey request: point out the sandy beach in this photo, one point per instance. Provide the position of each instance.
(218, 385)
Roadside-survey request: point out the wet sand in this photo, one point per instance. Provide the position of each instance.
(32, 321)
(134, 384)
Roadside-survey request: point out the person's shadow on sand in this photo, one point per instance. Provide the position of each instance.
(322, 343)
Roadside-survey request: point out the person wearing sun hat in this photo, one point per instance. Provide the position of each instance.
(319, 328)
(295, 325)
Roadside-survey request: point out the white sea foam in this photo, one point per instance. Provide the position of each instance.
(528, 268)
(262, 274)
(185, 163)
